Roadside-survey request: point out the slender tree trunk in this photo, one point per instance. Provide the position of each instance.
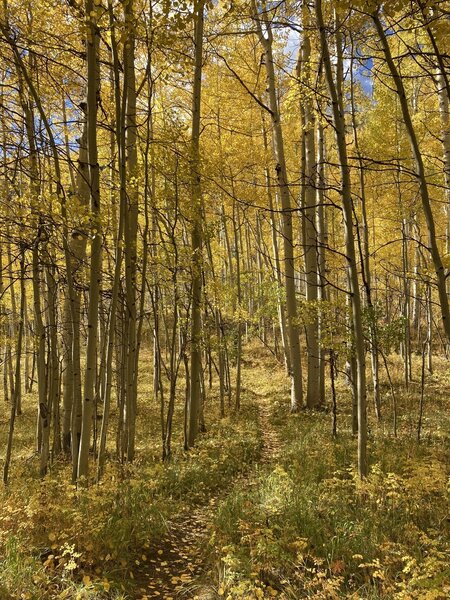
(13, 322)
(281, 304)
(173, 375)
(17, 385)
(130, 235)
(219, 326)
(429, 306)
(71, 425)
(420, 175)
(114, 305)
(347, 209)
(28, 347)
(406, 304)
(416, 284)
(236, 226)
(310, 245)
(322, 242)
(53, 363)
(196, 231)
(333, 393)
(266, 39)
(365, 258)
(93, 92)
(422, 396)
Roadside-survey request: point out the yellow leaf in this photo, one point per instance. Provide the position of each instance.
(86, 580)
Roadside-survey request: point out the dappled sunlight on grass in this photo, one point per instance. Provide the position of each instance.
(310, 528)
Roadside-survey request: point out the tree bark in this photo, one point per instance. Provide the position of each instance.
(196, 231)
(93, 93)
(347, 210)
(266, 39)
(310, 246)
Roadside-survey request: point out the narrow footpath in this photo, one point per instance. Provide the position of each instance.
(178, 567)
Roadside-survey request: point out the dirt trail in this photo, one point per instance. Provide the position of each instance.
(176, 568)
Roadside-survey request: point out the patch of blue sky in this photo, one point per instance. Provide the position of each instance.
(362, 66)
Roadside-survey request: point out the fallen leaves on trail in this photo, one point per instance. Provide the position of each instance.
(176, 566)
(178, 561)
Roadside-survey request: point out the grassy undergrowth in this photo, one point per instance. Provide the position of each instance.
(310, 528)
(60, 542)
(299, 526)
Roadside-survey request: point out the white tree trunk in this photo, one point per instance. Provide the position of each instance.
(266, 39)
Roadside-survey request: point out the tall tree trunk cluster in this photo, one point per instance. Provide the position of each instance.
(180, 193)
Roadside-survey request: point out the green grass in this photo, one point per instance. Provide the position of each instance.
(300, 526)
(311, 529)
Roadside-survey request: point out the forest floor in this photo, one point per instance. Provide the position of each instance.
(178, 566)
(298, 522)
(268, 504)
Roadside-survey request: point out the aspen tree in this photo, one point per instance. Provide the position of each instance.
(12, 318)
(420, 174)
(3, 313)
(42, 234)
(304, 67)
(217, 309)
(72, 312)
(347, 212)
(93, 92)
(443, 90)
(406, 342)
(365, 251)
(238, 254)
(53, 381)
(130, 232)
(43, 425)
(118, 231)
(444, 110)
(172, 324)
(266, 38)
(281, 305)
(17, 386)
(8, 385)
(196, 228)
(322, 242)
